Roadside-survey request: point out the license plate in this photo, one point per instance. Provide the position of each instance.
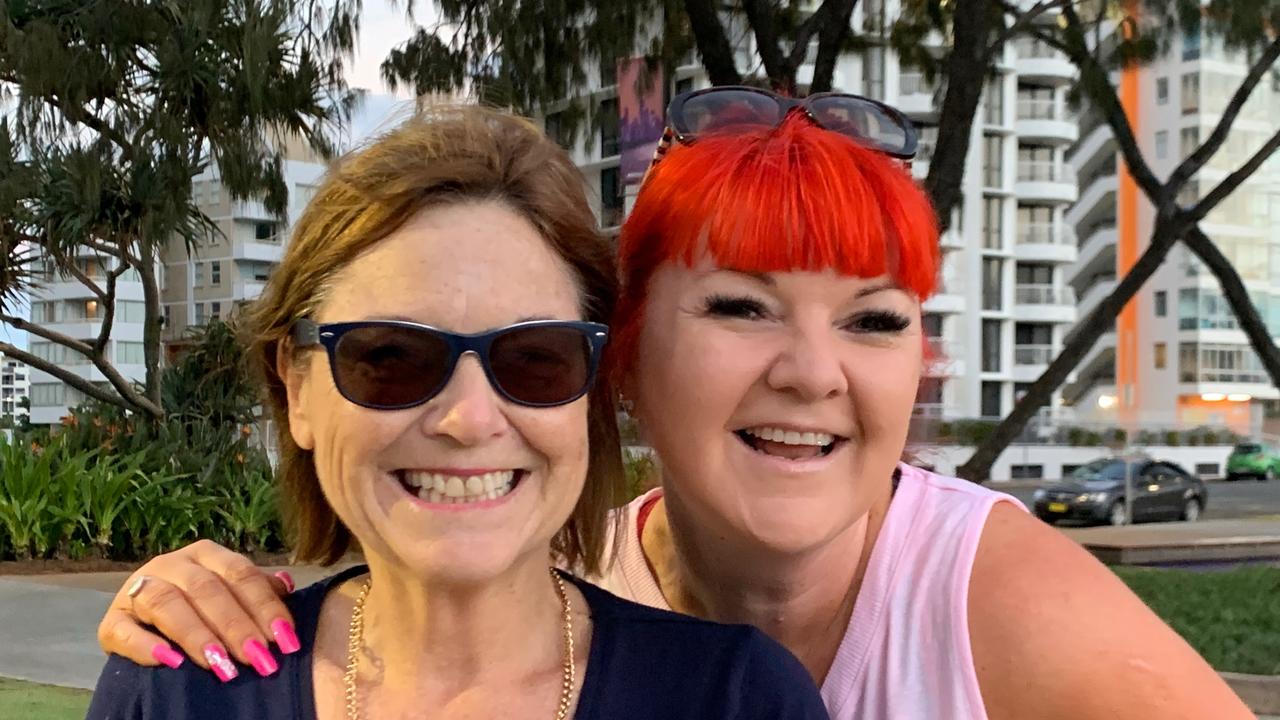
(1057, 507)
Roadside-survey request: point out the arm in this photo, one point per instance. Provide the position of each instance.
(1055, 634)
(197, 595)
(775, 685)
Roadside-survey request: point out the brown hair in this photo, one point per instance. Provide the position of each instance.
(443, 155)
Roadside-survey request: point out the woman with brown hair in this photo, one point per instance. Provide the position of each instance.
(430, 343)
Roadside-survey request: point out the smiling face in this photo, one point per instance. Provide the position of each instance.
(778, 402)
(466, 485)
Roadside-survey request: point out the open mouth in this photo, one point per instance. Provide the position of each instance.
(445, 489)
(789, 444)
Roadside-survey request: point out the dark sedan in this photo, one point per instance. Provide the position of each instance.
(1094, 493)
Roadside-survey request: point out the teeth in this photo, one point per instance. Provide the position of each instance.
(452, 489)
(790, 437)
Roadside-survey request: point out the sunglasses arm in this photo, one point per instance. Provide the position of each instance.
(305, 333)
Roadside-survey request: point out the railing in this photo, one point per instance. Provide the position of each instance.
(1038, 109)
(1044, 295)
(1044, 171)
(1032, 354)
(942, 348)
(914, 83)
(1027, 47)
(1046, 234)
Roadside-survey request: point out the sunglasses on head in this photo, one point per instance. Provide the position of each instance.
(724, 109)
(392, 364)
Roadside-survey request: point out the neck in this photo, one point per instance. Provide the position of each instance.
(802, 600)
(460, 635)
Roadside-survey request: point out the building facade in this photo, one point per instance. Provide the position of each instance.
(1004, 302)
(1176, 357)
(15, 385)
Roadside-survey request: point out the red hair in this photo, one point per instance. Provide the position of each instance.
(795, 197)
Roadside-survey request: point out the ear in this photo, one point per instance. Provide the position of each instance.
(294, 376)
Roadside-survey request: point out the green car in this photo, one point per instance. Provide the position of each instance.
(1253, 459)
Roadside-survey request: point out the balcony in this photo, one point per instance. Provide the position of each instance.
(1038, 62)
(949, 298)
(1044, 303)
(1097, 199)
(258, 250)
(1097, 140)
(1041, 120)
(918, 97)
(1029, 361)
(248, 289)
(1046, 181)
(1098, 289)
(1046, 242)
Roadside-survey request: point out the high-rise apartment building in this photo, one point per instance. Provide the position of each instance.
(15, 384)
(1004, 302)
(1176, 357)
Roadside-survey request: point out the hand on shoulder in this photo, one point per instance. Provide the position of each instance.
(1055, 634)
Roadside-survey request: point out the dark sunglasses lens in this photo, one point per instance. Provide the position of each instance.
(389, 366)
(861, 120)
(541, 365)
(727, 109)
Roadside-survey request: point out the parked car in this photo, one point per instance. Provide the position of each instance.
(1095, 493)
(1253, 459)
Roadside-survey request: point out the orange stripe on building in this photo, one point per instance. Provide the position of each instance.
(1126, 256)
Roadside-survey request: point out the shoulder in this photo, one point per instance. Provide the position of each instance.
(676, 666)
(1046, 619)
(952, 490)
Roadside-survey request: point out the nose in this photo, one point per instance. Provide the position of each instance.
(810, 366)
(468, 409)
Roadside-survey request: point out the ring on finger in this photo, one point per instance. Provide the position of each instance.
(136, 587)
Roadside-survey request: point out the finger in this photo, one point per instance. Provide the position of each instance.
(118, 633)
(258, 592)
(202, 615)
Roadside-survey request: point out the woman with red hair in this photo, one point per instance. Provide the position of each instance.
(768, 341)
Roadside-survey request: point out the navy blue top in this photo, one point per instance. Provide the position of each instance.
(644, 663)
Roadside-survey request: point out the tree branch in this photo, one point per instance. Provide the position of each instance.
(1021, 22)
(109, 312)
(44, 333)
(1192, 164)
(66, 376)
(760, 18)
(713, 44)
(831, 36)
(1232, 181)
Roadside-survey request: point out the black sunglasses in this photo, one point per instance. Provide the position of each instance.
(868, 121)
(391, 364)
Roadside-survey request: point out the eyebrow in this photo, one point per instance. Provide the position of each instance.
(879, 288)
(761, 277)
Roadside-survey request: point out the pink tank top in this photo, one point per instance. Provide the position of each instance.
(906, 652)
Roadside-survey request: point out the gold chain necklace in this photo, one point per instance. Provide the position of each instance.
(355, 638)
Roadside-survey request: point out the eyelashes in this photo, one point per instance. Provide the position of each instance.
(747, 308)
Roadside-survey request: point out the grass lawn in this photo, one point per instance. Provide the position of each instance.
(28, 701)
(1231, 617)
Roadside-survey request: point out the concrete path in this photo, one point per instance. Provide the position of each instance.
(1207, 541)
(47, 633)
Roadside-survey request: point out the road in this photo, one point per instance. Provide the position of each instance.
(1227, 501)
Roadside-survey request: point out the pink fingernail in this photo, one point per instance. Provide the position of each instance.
(286, 638)
(260, 657)
(287, 579)
(221, 663)
(167, 655)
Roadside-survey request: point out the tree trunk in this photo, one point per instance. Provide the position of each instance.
(832, 34)
(153, 323)
(966, 72)
(713, 44)
(1086, 335)
(1238, 296)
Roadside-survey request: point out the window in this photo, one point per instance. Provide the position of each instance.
(264, 231)
(991, 400)
(1161, 350)
(46, 394)
(1034, 274)
(198, 273)
(609, 128)
(994, 101)
(992, 223)
(200, 316)
(992, 161)
(44, 312)
(1035, 163)
(1190, 140)
(931, 323)
(168, 316)
(1161, 303)
(1026, 472)
(991, 345)
(610, 197)
(215, 311)
(1190, 93)
(1033, 334)
(1162, 144)
(215, 273)
(1162, 91)
(130, 353)
(992, 283)
(1036, 103)
(1191, 45)
(131, 311)
(556, 130)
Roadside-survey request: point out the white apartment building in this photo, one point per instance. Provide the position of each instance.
(1005, 301)
(1177, 358)
(15, 384)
